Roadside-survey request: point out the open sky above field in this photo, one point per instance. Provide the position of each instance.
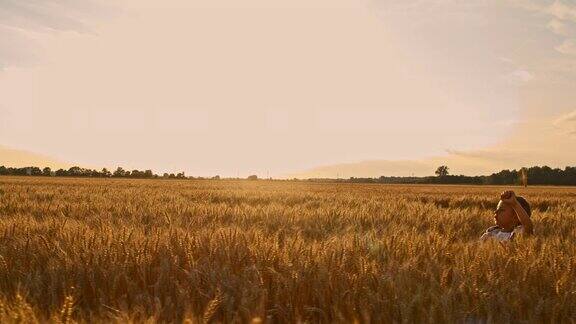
(347, 87)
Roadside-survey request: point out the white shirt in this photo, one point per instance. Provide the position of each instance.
(497, 233)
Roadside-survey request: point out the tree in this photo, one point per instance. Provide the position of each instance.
(34, 171)
(442, 171)
(75, 171)
(61, 173)
(47, 171)
(105, 173)
(253, 177)
(119, 172)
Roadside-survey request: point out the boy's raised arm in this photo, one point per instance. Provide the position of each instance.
(509, 197)
(524, 219)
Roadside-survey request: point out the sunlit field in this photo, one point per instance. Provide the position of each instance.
(272, 251)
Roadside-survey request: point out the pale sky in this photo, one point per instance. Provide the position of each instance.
(300, 87)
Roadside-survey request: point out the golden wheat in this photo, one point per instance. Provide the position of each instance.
(115, 250)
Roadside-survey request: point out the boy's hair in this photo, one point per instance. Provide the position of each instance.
(524, 205)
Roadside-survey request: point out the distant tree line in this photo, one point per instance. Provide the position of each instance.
(89, 173)
(535, 176)
(79, 172)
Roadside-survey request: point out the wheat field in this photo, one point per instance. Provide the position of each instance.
(114, 250)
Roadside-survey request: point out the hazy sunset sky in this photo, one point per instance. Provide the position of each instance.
(305, 87)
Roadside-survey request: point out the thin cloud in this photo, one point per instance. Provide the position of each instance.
(468, 154)
(64, 15)
(562, 11)
(506, 60)
(487, 155)
(519, 77)
(569, 117)
(558, 27)
(566, 124)
(527, 5)
(567, 47)
(19, 18)
(11, 157)
(562, 23)
(557, 9)
(16, 49)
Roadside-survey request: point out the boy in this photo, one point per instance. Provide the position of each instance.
(512, 216)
